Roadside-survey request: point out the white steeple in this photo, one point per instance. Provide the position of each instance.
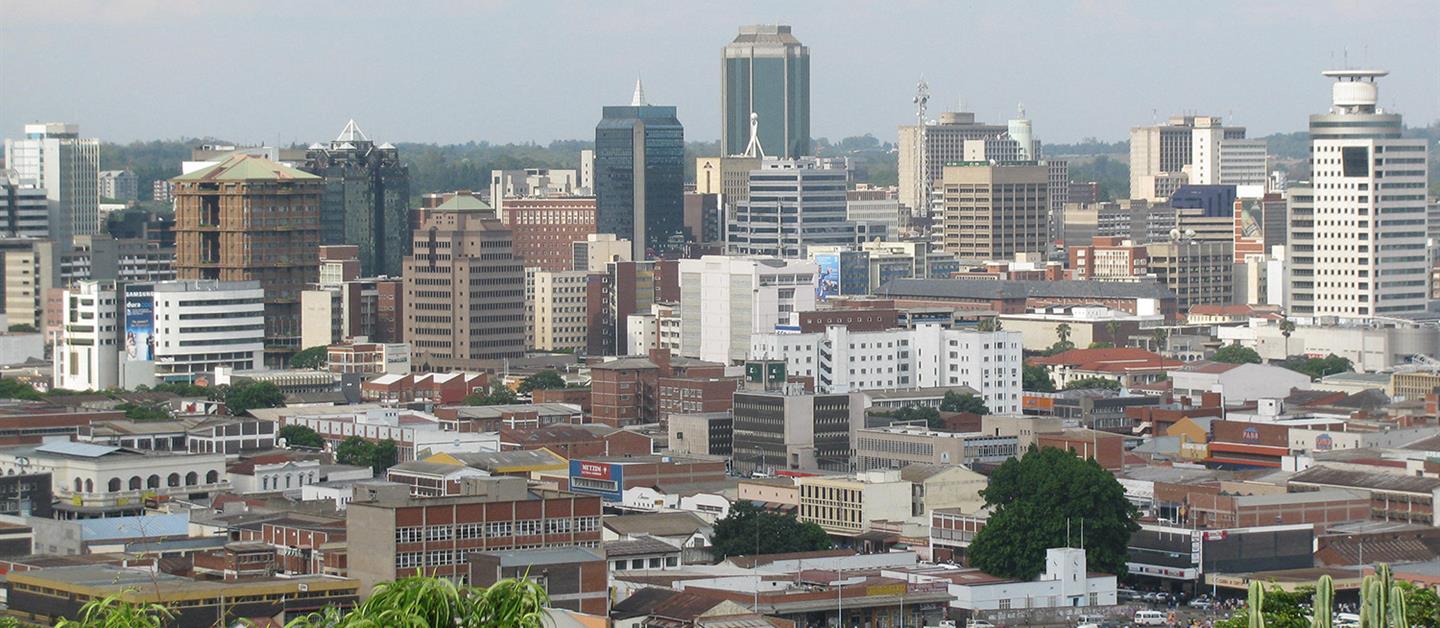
(352, 133)
(638, 100)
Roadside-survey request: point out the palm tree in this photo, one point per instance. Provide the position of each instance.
(1113, 328)
(989, 324)
(1160, 336)
(1287, 327)
(1062, 331)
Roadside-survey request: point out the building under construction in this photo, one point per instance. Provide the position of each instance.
(251, 219)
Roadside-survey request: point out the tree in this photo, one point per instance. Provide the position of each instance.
(1035, 378)
(499, 395)
(1104, 383)
(749, 530)
(1236, 354)
(23, 328)
(355, 451)
(1287, 327)
(1113, 328)
(1101, 345)
(144, 411)
(1317, 368)
(16, 389)
(929, 415)
(1033, 499)
(181, 389)
(989, 324)
(301, 436)
(383, 456)
(312, 358)
(956, 402)
(544, 380)
(1160, 337)
(246, 396)
(1062, 332)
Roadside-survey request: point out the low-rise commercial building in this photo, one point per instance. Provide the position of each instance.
(102, 480)
(792, 429)
(897, 446)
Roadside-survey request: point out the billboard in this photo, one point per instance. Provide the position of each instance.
(140, 328)
(829, 284)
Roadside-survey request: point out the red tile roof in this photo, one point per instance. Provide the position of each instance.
(1112, 360)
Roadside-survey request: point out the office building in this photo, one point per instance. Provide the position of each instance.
(24, 211)
(793, 204)
(611, 297)
(896, 446)
(555, 308)
(723, 300)
(54, 157)
(530, 183)
(436, 534)
(792, 429)
(995, 210)
(1131, 219)
(1198, 272)
(545, 230)
(118, 185)
(1243, 163)
(1186, 149)
(925, 149)
(765, 71)
(32, 267)
(701, 433)
(1357, 231)
(367, 195)
(464, 288)
(356, 308)
(727, 176)
(640, 174)
(704, 220)
(251, 219)
(846, 505)
(840, 360)
(596, 250)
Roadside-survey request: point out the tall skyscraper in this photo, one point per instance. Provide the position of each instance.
(367, 195)
(993, 211)
(1358, 228)
(55, 158)
(1184, 150)
(765, 71)
(464, 288)
(793, 204)
(640, 174)
(924, 151)
(251, 219)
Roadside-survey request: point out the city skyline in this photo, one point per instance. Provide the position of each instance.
(89, 63)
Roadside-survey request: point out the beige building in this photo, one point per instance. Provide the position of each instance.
(464, 288)
(727, 176)
(993, 211)
(1197, 271)
(924, 151)
(894, 447)
(944, 486)
(555, 310)
(30, 269)
(1414, 384)
(251, 219)
(845, 505)
(1163, 156)
(781, 491)
(599, 249)
(1023, 427)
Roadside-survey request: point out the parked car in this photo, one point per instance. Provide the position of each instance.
(1201, 603)
(978, 623)
(1128, 594)
(1149, 618)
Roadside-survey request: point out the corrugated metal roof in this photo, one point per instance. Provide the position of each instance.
(79, 450)
(177, 524)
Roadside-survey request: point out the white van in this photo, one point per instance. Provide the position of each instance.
(1149, 618)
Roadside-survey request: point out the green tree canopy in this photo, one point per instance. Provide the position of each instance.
(301, 436)
(929, 415)
(1092, 382)
(181, 389)
(355, 451)
(542, 380)
(144, 411)
(1236, 354)
(1035, 378)
(23, 328)
(312, 358)
(499, 395)
(383, 456)
(1317, 368)
(246, 396)
(748, 531)
(956, 402)
(1032, 499)
(16, 389)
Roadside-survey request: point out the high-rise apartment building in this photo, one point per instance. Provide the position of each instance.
(792, 204)
(994, 210)
(120, 185)
(555, 310)
(251, 219)
(464, 288)
(640, 174)
(925, 149)
(723, 300)
(54, 157)
(1358, 229)
(1186, 149)
(765, 71)
(367, 197)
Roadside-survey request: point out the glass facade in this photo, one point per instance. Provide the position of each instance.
(766, 71)
(640, 176)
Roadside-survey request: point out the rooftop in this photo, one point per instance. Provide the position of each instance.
(1366, 480)
(658, 524)
(1019, 289)
(242, 167)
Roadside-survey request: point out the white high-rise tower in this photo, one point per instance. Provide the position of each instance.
(55, 158)
(1357, 229)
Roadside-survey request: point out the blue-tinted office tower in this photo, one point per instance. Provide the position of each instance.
(640, 175)
(765, 71)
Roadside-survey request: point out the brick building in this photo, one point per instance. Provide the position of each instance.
(574, 578)
(1219, 505)
(1008, 296)
(609, 476)
(251, 219)
(436, 387)
(400, 534)
(853, 319)
(1106, 448)
(626, 391)
(546, 229)
(577, 441)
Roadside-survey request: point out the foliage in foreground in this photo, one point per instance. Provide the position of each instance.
(112, 611)
(1384, 603)
(1042, 500)
(748, 530)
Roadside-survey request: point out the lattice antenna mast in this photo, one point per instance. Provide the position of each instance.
(922, 169)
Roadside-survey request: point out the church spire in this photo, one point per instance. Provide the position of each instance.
(638, 100)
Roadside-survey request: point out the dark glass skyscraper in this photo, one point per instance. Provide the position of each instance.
(640, 175)
(367, 195)
(766, 71)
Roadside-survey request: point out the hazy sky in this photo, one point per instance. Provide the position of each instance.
(441, 71)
